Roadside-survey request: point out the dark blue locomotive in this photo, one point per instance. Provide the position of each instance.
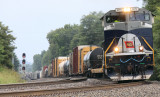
(128, 44)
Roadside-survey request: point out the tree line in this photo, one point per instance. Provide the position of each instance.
(64, 39)
(154, 7)
(7, 48)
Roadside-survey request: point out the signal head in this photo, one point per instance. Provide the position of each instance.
(23, 61)
(23, 68)
(23, 55)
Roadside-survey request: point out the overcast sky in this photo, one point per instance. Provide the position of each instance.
(31, 20)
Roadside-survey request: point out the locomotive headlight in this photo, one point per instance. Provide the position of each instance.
(127, 9)
(116, 50)
(141, 48)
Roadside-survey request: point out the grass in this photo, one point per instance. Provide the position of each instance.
(8, 76)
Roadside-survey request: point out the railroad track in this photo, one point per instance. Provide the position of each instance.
(44, 82)
(23, 86)
(74, 89)
(34, 83)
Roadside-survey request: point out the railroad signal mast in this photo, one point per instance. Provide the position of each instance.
(23, 62)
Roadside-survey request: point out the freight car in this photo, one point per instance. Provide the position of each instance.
(50, 70)
(77, 58)
(62, 68)
(66, 68)
(70, 67)
(55, 64)
(93, 61)
(33, 75)
(45, 71)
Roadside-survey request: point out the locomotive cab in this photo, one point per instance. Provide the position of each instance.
(114, 18)
(128, 45)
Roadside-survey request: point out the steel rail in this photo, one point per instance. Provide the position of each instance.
(74, 89)
(4, 86)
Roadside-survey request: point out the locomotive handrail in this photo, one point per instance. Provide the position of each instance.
(150, 48)
(106, 52)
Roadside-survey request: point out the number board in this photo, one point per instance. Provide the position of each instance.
(129, 44)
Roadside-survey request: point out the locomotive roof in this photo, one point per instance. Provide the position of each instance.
(113, 12)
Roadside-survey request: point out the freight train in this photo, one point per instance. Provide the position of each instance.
(127, 52)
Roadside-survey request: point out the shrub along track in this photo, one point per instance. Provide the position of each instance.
(45, 92)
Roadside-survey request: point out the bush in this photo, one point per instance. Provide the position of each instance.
(8, 76)
(156, 73)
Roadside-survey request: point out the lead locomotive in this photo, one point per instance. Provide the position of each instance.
(128, 44)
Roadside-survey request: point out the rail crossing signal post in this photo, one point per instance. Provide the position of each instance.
(23, 62)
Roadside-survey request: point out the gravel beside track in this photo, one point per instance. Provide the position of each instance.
(46, 79)
(29, 87)
(146, 90)
(149, 90)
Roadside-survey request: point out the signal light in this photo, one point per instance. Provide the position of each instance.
(23, 61)
(23, 68)
(23, 55)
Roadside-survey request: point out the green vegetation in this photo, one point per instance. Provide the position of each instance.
(16, 62)
(154, 7)
(6, 46)
(8, 76)
(156, 33)
(37, 62)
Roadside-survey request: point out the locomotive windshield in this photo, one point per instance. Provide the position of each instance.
(139, 17)
(119, 18)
